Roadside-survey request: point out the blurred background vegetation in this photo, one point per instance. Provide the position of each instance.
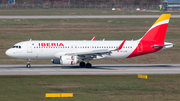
(113, 2)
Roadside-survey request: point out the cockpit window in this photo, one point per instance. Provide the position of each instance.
(17, 47)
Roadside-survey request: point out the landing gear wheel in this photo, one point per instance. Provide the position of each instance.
(28, 66)
(88, 65)
(81, 64)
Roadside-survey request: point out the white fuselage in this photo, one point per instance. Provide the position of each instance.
(55, 49)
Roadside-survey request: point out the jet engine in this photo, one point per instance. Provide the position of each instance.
(66, 60)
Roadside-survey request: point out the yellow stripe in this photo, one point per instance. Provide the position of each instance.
(59, 95)
(53, 95)
(142, 76)
(163, 17)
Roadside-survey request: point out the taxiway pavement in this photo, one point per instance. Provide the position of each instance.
(97, 69)
(83, 16)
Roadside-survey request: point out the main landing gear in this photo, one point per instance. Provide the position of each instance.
(28, 64)
(82, 64)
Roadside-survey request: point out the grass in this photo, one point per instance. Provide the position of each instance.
(16, 30)
(80, 11)
(91, 88)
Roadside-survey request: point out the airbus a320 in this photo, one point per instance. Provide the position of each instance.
(73, 52)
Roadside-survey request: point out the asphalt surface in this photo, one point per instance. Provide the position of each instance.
(84, 16)
(97, 69)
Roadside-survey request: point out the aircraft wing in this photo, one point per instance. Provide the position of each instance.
(95, 53)
(90, 52)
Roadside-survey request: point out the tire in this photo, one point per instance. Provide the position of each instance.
(82, 64)
(88, 65)
(28, 66)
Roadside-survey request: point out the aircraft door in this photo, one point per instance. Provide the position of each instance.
(140, 48)
(29, 47)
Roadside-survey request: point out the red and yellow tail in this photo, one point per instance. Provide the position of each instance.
(157, 32)
(153, 40)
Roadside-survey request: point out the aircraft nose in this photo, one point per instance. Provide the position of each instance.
(9, 53)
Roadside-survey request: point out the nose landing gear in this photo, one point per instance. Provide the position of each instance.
(28, 64)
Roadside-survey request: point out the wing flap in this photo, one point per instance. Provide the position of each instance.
(89, 53)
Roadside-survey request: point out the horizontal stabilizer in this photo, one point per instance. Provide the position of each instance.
(158, 46)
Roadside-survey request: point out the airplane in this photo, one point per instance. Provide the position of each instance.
(69, 52)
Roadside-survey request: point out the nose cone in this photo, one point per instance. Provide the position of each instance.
(9, 53)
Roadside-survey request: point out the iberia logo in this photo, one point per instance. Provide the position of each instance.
(50, 44)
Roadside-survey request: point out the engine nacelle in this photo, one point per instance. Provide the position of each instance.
(55, 61)
(66, 60)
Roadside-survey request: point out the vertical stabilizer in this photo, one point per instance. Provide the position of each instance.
(157, 32)
(153, 40)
